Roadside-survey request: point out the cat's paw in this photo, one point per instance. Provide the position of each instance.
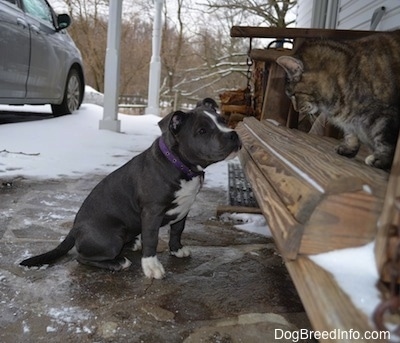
(345, 150)
(378, 162)
(152, 267)
(182, 252)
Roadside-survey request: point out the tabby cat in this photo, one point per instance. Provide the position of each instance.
(356, 84)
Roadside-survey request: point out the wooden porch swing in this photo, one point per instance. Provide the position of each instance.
(314, 200)
(239, 104)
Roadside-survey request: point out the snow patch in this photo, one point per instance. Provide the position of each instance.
(93, 97)
(50, 329)
(77, 146)
(254, 223)
(73, 317)
(25, 327)
(2, 277)
(355, 271)
(68, 314)
(27, 222)
(48, 203)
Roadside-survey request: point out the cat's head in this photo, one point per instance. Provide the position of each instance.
(306, 90)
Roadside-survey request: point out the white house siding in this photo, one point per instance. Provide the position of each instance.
(304, 13)
(347, 14)
(357, 14)
(316, 13)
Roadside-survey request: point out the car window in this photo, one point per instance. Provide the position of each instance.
(39, 9)
(14, 2)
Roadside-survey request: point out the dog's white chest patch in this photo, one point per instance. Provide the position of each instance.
(184, 198)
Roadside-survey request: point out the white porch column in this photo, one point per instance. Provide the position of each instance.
(111, 78)
(153, 105)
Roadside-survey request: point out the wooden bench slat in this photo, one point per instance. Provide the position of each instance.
(315, 159)
(327, 306)
(337, 225)
(296, 194)
(287, 231)
(327, 201)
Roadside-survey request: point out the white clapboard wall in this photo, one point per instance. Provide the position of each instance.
(348, 14)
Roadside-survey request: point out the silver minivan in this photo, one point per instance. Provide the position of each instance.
(39, 62)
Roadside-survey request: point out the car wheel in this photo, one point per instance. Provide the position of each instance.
(72, 95)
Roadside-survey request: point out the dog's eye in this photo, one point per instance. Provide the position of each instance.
(202, 131)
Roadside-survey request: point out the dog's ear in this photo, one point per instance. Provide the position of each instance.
(208, 102)
(172, 122)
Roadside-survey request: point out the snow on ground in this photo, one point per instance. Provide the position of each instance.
(248, 222)
(71, 146)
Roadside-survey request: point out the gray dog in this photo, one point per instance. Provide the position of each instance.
(154, 189)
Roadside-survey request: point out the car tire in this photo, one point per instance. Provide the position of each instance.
(72, 95)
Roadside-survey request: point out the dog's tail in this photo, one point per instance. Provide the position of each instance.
(51, 256)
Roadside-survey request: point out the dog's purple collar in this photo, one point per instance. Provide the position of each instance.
(178, 164)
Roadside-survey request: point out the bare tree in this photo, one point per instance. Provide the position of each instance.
(89, 31)
(135, 55)
(255, 12)
(217, 62)
(199, 58)
(173, 46)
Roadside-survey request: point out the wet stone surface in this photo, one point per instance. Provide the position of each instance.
(233, 288)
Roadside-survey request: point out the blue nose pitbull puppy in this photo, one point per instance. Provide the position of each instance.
(155, 188)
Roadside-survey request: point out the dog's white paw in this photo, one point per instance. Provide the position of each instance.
(126, 263)
(152, 267)
(137, 246)
(182, 252)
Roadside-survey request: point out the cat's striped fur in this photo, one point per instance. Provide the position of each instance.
(356, 84)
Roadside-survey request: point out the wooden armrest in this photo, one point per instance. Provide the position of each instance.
(274, 32)
(269, 55)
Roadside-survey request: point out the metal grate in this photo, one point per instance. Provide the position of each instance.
(240, 192)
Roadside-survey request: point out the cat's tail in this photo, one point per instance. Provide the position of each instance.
(51, 256)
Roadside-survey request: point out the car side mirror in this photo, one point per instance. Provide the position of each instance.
(63, 21)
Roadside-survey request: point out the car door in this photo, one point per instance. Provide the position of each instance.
(15, 48)
(45, 80)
